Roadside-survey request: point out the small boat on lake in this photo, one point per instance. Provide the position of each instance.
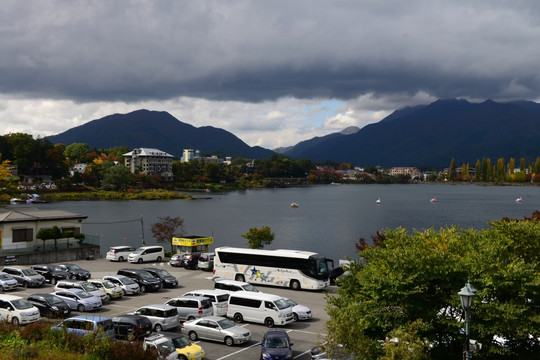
(378, 201)
(433, 199)
(519, 199)
(294, 205)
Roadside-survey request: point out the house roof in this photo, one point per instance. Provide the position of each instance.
(33, 214)
(148, 152)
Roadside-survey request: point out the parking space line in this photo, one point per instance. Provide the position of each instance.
(237, 352)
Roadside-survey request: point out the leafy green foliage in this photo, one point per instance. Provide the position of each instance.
(406, 288)
(257, 238)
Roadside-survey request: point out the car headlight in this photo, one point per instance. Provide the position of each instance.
(266, 356)
(289, 355)
(55, 308)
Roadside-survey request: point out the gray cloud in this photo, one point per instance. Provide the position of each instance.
(254, 51)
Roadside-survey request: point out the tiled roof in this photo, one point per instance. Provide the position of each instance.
(33, 214)
(149, 152)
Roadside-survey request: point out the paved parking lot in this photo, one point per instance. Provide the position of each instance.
(304, 334)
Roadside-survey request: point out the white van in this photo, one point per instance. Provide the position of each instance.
(267, 309)
(18, 310)
(218, 298)
(147, 253)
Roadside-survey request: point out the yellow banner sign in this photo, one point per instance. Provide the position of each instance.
(195, 241)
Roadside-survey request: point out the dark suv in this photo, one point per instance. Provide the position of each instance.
(276, 345)
(146, 281)
(191, 261)
(131, 327)
(167, 280)
(52, 273)
(75, 271)
(50, 305)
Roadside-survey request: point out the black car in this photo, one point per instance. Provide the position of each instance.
(276, 344)
(191, 261)
(167, 280)
(131, 327)
(50, 305)
(75, 271)
(146, 281)
(51, 272)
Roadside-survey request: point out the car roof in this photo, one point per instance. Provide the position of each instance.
(72, 290)
(118, 277)
(276, 333)
(157, 306)
(189, 298)
(90, 317)
(121, 247)
(10, 297)
(17, 267)
(211, 317)
(209, 291)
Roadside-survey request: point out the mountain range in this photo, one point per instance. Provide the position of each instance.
(423, 135)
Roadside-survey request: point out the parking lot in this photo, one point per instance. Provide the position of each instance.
(304, 334)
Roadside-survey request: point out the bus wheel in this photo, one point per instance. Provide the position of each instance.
(295, 285)
(269, 322)
(238, 317)
(240, 277)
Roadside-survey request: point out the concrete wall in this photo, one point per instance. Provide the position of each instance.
(64, 255)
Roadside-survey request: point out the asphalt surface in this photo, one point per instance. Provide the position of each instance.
(303, 334)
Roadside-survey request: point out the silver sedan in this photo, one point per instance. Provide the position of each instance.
(216, 328)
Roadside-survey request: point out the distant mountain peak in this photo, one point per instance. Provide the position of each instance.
(350, 130)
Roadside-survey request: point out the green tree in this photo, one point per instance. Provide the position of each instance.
(257, 238)
(167, 228)
(452, 171)
(405, 288)
(119, 177)
(500, 169)
(5, 168)
(478, 169)
(77, 152)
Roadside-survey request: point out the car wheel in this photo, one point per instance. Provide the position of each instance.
(139, 261)
(190, 318)
(80, 307)
(159, 259)
(15, 321)
(240, 277)
(229, 341)
(158, 327)
(295, 316)
(121, 259)
(143, 288)
(269, 322)
(25, 284)
(49, 314)
(295, 285)
(107, 297)
(193, 336)
(182, 357)
(238, 317)
(53, 281)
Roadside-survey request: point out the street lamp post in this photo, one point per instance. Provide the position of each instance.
(466, 296)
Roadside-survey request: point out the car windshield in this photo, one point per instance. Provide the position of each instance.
(22, 304)
(226, 323)
(73, 267)
(138, 251)
(54, 300)
(291, 302)
(162, 273)
(5, 277)
(108, 284)
(282, 304)
(250, 287)
(147, 276)
(84, 295)
(166, 347)
(277, 343)
(180, 342)
(29, 272)
(89, 287)
(56, 268)
(127, 281)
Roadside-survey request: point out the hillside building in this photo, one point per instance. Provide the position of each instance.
(405, 170)
(150, 162)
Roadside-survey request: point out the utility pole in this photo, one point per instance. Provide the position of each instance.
(142, 231)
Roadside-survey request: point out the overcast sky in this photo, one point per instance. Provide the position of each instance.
(271, 72)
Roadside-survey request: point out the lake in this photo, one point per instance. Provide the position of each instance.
(329, 218)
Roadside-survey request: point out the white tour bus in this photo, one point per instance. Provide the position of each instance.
(289, 268)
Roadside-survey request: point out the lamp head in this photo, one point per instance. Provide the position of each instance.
(466, 295)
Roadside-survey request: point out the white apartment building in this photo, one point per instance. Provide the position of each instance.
(150, 162)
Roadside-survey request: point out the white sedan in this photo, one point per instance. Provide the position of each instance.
(300, 312)
(216, 328)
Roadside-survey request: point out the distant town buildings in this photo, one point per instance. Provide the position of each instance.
(191, 154)
(405, 170)
(150, 162)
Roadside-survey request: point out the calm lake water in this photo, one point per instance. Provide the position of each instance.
(329, 219)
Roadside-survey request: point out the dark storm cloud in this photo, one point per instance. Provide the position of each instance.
(263, 50)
